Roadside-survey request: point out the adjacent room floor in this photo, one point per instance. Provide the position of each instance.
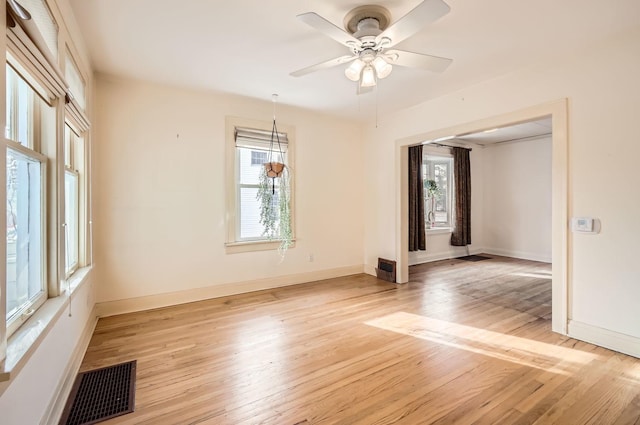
(463, 342)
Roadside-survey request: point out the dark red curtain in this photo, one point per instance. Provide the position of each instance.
(461, 235)
(417, 236)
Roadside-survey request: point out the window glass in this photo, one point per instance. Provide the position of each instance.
(71, 220)
(250, 165)
(20, 110)
(25, 277)
(73, 166)
(259, 157)
(438, 182)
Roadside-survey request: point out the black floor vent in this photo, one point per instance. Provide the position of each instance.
(474, 258)
(101, 394)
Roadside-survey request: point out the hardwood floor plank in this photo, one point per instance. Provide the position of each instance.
(462, 342)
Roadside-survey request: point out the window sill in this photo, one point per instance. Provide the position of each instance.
(439, 230)
(24, 341)
(250, 246)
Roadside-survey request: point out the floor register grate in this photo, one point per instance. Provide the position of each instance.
(101, 394)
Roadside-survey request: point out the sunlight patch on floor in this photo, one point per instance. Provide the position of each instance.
(510, 348)
(539, 275)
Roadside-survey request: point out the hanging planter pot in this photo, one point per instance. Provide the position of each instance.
(274, 169)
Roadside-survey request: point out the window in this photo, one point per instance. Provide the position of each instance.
(25, 169)
(46, 176)
(438, 207)
(71, 199)
(248, 149)
(252, 151)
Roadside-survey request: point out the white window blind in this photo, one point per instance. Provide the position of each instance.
(75, 81)
(260, 139)
(30, 57)
(43, 19)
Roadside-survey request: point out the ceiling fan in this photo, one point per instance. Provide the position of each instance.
(369, 37)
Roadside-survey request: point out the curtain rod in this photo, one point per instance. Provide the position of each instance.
(446, 146)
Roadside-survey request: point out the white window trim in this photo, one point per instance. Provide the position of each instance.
(232, 245)
(26, 339)
(443, 153)
(439, 230)
(75, 265)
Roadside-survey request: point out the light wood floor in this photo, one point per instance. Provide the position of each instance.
(462, 343)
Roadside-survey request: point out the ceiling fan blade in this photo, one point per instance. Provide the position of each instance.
(426, 12)
(322, 65)
(318, 22)
(417, 60)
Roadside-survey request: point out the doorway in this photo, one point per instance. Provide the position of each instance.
(560, 206)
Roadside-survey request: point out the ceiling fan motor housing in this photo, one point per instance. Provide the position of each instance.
(363, 13)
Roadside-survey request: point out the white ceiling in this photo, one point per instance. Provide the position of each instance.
(249, 47)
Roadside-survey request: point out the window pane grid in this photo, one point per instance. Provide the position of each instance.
(438, 205)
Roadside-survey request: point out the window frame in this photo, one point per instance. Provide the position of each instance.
(232, 242)
(71, 268)
(25, 311)
(240, 186)
(427, 155)
(31, 151)
(28, 55)
(73, 160)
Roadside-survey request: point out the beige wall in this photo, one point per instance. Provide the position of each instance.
(517, 199)
(160, 210)
(604, 97)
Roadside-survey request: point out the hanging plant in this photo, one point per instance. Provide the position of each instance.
(274, 194)
(433, 193)
(431, 186)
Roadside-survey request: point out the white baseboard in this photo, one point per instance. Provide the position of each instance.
(56, 405)
(424, 257)
(531, 256)
(129, 305)
(605, 338)
(370, 269)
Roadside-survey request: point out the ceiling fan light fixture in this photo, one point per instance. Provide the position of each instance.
(354, 70)
(368, 77)
(383, 68)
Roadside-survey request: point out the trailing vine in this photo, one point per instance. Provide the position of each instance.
(274, 196)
